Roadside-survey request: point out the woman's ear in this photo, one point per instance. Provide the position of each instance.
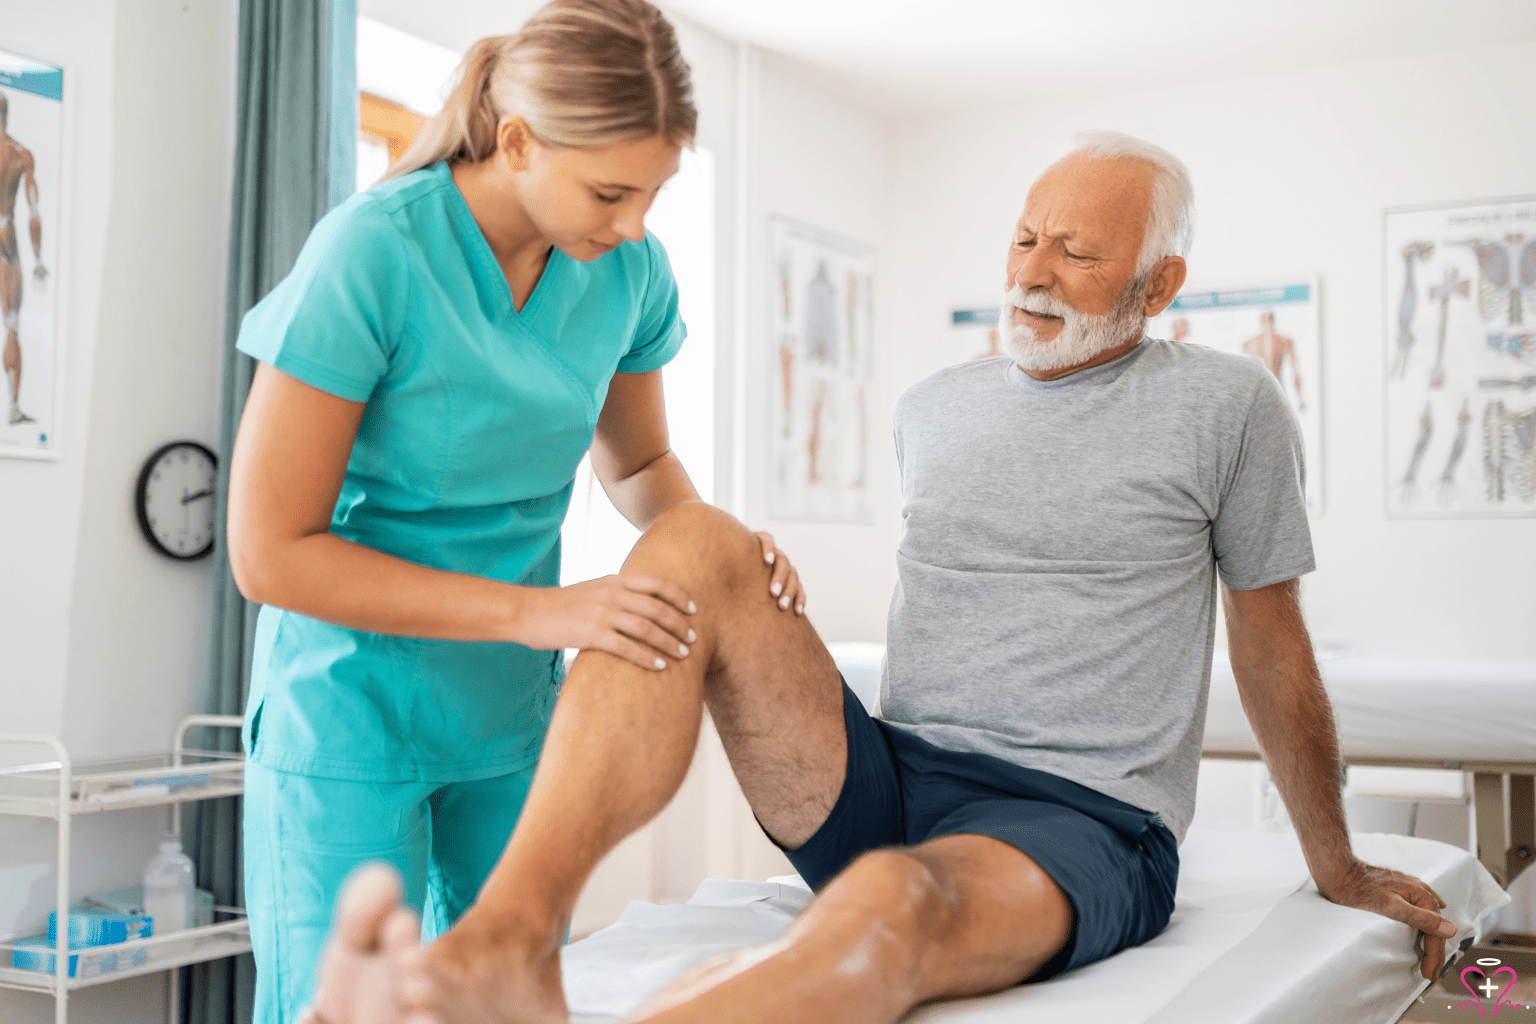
(514, 142)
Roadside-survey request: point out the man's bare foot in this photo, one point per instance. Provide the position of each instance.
(480, 972)
(373, 935)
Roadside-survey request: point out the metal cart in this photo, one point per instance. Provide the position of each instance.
(62, 789)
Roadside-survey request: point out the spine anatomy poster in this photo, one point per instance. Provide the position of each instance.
(1461, 359)
(821, 375)
(31, 134)
(1279, 325)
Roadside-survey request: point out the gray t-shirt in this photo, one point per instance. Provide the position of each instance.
(1055, 602)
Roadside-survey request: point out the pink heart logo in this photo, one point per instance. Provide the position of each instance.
(1487, 988)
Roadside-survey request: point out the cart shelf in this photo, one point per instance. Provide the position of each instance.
(63, 789)
(193, 946)
(120, 783)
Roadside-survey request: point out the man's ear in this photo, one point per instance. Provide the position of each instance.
(514, 142)
(1164, 283)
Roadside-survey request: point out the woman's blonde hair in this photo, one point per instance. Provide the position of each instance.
(581, 73)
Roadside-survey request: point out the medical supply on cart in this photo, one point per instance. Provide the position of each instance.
(97, 926)
(168, 888)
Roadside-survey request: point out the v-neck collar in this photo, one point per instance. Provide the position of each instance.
(488, 272)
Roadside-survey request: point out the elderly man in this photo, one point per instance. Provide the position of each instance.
(1067, 512)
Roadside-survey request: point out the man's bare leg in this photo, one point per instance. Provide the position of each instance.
(619, 745)
(12, 367)
(10, 310)
(959, 915)
(955, 916)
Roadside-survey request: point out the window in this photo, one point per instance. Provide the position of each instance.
(385, 131)
(403, 80)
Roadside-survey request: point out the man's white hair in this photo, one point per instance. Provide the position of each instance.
(1171, 219)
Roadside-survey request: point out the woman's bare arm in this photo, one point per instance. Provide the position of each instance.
(632, 456)
(289, 462)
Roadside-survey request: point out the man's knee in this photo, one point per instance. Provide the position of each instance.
(699, 535)
(900, 891)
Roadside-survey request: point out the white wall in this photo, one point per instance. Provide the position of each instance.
(104, 641)
(1291, 174)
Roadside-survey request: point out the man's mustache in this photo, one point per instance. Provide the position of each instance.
(1037, 302)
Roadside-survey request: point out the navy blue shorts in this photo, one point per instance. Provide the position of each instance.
(1118, 864)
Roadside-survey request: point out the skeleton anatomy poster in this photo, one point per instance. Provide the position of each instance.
(1461, 359)
(31, 133)
(821, 377)
(1279, 325)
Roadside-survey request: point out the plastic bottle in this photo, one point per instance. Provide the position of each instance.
(168, 892)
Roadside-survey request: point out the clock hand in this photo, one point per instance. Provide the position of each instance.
(194, 497)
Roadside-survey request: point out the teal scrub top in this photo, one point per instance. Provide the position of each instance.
(477, 418)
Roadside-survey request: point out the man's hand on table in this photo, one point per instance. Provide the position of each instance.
(1402, 898)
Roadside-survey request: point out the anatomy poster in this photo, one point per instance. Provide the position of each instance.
(973, 334)
(1461, 359)
(821, 375)
(1278, 324)
(31, 131)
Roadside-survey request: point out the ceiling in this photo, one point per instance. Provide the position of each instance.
(937, 54)
(947, 53)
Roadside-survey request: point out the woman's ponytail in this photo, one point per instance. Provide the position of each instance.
(465, 129)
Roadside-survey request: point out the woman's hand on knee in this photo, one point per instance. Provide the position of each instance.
(642, 619)
(783, 581)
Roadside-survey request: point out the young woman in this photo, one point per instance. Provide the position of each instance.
(448, 346)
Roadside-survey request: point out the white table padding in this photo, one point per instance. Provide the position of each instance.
(1316, 962)
(1248, 933)
(1451, 709)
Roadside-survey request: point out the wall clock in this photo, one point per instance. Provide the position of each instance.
(175, 502)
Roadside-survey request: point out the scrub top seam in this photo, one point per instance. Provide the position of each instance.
(480, 250)
(429, 355)
(581, 387)
(535, 297)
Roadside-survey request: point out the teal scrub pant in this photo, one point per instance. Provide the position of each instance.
(304, 835)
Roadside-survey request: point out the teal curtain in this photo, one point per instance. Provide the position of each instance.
(295, 157)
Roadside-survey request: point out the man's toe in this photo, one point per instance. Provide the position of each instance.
(367, 901)
(401, 934)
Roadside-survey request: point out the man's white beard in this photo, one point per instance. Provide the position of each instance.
(1082, 336)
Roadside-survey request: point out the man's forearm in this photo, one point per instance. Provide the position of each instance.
(1292, 717)
(1293, 720)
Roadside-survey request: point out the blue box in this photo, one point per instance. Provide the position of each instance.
(95, 926)
(84, 961)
